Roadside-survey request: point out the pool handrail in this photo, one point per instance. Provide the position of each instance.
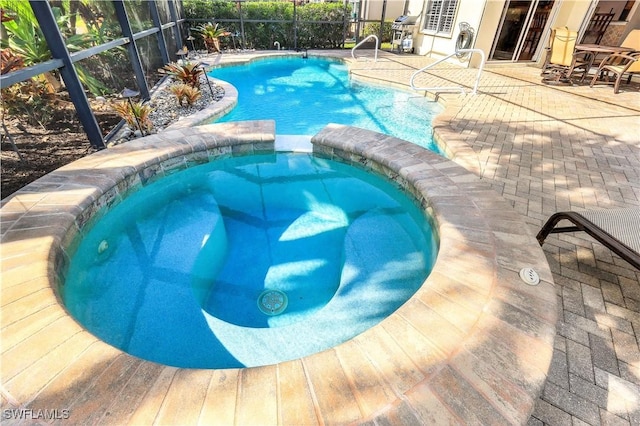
(451, 88)
(375, 58)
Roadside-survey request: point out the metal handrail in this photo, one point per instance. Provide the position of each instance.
(451, 88)
(375, 59)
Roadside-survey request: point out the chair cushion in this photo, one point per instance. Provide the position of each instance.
(632, 40)
(564, 43)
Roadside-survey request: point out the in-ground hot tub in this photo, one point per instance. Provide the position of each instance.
(248, 260)
(472, 345)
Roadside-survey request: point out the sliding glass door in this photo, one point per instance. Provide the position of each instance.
(521, 29)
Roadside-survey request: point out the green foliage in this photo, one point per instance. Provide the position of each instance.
(31, 100)
(207, 9)
(374, 28)
(321, 35)
(224, 9)
(27, 41)
(134, 113)
(26, 38)
(18, 8)
(210, 30)
(262, 35)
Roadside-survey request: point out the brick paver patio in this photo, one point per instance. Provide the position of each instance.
(546, 149)
(543, 149)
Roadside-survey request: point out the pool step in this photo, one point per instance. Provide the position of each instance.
(293, 143)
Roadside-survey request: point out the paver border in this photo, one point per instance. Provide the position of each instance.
(473, 345)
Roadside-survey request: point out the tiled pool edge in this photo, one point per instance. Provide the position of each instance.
(493, 355)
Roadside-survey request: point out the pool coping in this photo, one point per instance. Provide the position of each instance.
(472, 346)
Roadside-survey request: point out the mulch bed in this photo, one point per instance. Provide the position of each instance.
(44, 150)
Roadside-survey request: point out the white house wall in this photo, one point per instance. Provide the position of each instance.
(469, 11)
(372, 9)
(571, 14)
(484, 17)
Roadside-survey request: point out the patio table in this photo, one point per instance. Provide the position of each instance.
(593, 50)
(600, 48)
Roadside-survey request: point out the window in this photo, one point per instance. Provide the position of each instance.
(439, 16)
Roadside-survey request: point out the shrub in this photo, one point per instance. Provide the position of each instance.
(188, 73)
(207, 9)
(320, 34)
(374, 28)
(262, 29)
(134, 113)
(185, 92)
(30, 99)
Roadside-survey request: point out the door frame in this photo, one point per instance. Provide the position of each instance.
(523, 31)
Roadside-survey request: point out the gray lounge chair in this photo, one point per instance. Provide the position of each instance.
(617, 229)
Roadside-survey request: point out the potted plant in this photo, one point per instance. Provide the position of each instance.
(211, 34)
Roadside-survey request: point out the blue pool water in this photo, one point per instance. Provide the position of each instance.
(304, 95)
(174, 273)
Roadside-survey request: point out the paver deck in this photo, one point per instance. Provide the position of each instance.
(541, 148)
(547, 149)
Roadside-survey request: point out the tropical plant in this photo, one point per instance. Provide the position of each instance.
(135, 114)
(187, 73)
(211, 34)
(29, 99)
(26, 40)
(184, 92)
(9, 61)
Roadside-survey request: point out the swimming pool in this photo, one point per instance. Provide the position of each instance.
(177, 272)
(304, 95)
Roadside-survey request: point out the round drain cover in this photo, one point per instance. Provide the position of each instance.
(529, 276)
(272, 302)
